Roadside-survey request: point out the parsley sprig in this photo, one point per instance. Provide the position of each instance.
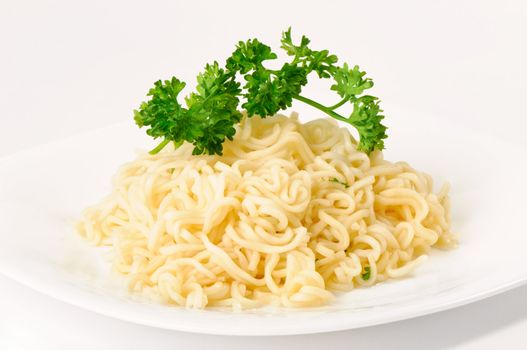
(210, 114)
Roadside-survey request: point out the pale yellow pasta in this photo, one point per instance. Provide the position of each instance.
(289, 214)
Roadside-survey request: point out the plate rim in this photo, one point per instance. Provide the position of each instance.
(291, 329)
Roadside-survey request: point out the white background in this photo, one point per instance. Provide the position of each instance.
(69, 66)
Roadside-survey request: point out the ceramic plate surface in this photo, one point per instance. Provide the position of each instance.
(43, 190)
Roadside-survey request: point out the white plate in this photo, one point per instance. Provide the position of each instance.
(43, 190)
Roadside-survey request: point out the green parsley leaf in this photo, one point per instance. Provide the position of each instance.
(206, 123)
(366, 274)
(367, 117)
(163, 113)
(334, 179)
(249, 55)
(350, 82)
(291, 49)
(319, 61)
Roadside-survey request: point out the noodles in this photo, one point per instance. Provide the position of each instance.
(288, 214)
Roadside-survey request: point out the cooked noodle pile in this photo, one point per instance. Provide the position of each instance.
(288, 214)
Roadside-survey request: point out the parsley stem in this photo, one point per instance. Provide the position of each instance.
(335, 106)
(321, 107)
(160, 147)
